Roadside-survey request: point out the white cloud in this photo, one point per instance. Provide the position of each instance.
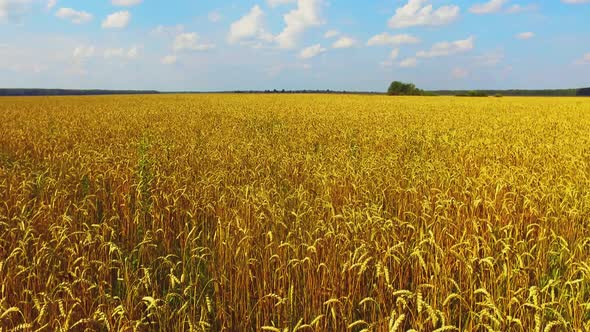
(492, 6)
(275, 3)
(169, 60)
(83, 51)
(312, 51)
(190, 41)
(74, 16)
(419, 12)
(344, 42)
(126, 3)
(516, 8)
(408, 63)
(13, 9)
(495, 6)
(51, 3)
(113, 52)
(331, 34)
(214, 16)
(384, 39)
(168, 30)
(250, 26)
(459, 73)
(448, 48)
(525, 35)
(585, 60)
(306, 15)
(131, 53)
(392, 56)
(117, 20)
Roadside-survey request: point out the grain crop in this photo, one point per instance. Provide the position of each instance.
(294, 213)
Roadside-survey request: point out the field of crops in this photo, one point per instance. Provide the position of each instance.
(294, 213)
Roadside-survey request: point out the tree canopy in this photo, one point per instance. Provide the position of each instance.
(397, 88)
(69, 92)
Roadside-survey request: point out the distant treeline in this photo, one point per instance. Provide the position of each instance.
(530, 93)
(69, 92)
(393, 90)
(412, 90)
(306, 91)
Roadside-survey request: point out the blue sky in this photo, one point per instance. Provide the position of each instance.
(294, 44)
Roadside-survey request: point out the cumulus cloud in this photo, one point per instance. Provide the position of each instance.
(409, 63)
(190, 41)
(385, 39)
(344, 42)
(133, 52)
(525, 35)
(392, 57)
(448, 48)
(394, 54)
(306, 15)
(113, 52)
(13, 9)
(331, 34)
(492, 6)
(249, 27)
(312, 51)
(421, 13)
(130, 53)
(84, 51)
(74, 16)
(275, 3)
(168, 30)
(516, 8)
(169, 60)
(126, 3)
(117, 20)
(585, 60)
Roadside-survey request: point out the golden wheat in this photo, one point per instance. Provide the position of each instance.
(294, 213)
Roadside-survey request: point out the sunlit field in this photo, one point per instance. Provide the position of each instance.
(294, 213)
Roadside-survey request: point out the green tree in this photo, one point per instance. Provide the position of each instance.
(397, 88)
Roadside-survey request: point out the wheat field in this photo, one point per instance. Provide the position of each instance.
(294, 213)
